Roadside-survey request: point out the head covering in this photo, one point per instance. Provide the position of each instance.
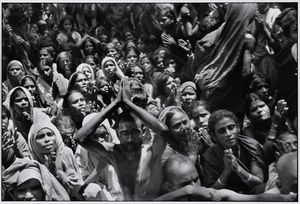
(15, 62)
(187, 84)
(118, 70)
(27, 174)
(163, 114)
(83, 65)
(23, 169)
(9, 82)
(8, 102)
(105, 124)
(35, 128)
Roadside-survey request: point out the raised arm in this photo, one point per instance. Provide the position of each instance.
(85, 131)
(146, 117)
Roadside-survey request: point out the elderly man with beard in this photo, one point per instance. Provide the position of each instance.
(128, 158)
(20, 105)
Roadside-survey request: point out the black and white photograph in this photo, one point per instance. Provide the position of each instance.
(149, 101)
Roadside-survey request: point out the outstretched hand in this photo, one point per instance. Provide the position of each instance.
(125, 90)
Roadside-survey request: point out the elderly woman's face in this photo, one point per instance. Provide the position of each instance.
(46, 141)
(15, 72)
(82, 82)
(179, 126)
(188, 95)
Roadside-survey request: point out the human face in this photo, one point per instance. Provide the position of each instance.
(104, 87)
(46, 141)
(289, 143)
(179, 126)
(138, 95)
(200, 116)
(87, 72)
(77, 104)
(109, 69)
(170, 87)
(5, 121)
(146, 64)
(262, 91)
(21, 103)
(112, 52)
(141, 45)
(15, 72)
(90, 61)
(82, 82)
(30, 190)
(138, 74)
(226, 132)
(160, 63)
(130, 134)
(128, 36)
(188, 95)
(30, 86)
(67, 26)
(182, 175)
(44, 55)
(132, 57)
(46, 72)
(65, 63)
(88, 47)
(166, 21)
(259, 111)
(103, 40)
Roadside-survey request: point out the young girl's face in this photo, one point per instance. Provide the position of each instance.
(67, 26)
(146, 64)
(188, 95)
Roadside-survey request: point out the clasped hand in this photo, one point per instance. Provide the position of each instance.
(230, 162)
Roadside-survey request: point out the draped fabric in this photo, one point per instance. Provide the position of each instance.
(220, 74)
(250, 150)
(65, 164)
(54, 191)
(35, 113)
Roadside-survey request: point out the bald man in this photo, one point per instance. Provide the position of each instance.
(181, 182)
(287, 173)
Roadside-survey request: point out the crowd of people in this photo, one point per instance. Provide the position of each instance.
(149, 101)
